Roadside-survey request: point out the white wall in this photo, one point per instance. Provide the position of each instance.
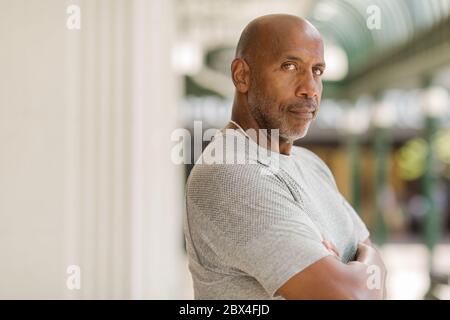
(85, 170)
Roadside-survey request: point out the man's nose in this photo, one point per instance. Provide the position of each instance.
(307, 87)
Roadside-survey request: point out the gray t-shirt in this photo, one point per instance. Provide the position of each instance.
(250, 227)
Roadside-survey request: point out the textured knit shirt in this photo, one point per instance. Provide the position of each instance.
(249, 227)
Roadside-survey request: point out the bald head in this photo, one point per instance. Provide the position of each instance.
(267, 35)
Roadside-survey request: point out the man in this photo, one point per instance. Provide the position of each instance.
(254, 231)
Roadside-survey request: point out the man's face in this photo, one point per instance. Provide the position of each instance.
(286, 86)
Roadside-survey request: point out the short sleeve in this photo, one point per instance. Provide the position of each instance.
(249, 221)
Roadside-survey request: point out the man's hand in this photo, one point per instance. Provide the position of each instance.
(368, 255)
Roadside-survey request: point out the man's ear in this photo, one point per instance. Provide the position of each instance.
(240, 73)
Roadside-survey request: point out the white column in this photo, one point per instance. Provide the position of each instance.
(86, 175)
(32, 149)
(157, 200)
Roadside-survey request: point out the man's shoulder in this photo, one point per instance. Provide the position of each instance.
(230, 180)
(296, 151)
(217, 174)
(310, 156)
(314, 162)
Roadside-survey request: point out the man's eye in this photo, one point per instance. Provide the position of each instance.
(318, 72)
(289, 67)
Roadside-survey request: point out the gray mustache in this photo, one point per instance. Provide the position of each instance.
(310, 105)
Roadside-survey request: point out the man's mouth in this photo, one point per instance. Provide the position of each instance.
(302, 114)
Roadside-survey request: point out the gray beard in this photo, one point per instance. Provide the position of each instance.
(257, 110)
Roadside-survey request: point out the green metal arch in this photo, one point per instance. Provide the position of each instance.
(401, 20)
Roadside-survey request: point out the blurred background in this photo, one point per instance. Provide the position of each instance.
(91, 93)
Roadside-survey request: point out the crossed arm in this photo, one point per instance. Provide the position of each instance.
(329, 278)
